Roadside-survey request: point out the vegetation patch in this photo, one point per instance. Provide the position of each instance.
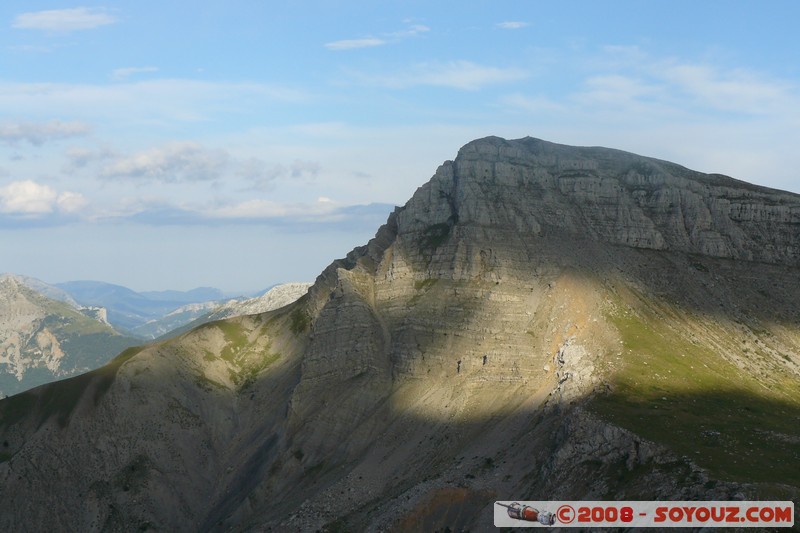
(425, 284)
(249, 374)
(684, 395)
(207, 384)
(433, 237)
(236, 340)
(300, 321)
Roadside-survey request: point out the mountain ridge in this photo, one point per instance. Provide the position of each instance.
(533, 324)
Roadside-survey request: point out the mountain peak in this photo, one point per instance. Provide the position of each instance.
(534, 186)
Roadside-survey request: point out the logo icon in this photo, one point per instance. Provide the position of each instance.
(565, 514)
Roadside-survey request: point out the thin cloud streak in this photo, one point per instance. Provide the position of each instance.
(64, 20)
(351, 44)
(464, 75)
(413, 30)
(182, 100)
(39, 133)
(122, 74)
(512, 25)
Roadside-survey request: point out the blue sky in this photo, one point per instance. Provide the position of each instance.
(239, 144)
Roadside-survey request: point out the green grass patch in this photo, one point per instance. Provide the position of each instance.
(689, 398)
(300, 321)
(249, 374)
(434, 236)
(235, 338)
(425, 284)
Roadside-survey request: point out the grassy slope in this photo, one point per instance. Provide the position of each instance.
(676, 388)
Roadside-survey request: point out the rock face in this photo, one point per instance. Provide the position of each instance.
(616, 197)
(538, 322)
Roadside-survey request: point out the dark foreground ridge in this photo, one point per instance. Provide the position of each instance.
(538, 322)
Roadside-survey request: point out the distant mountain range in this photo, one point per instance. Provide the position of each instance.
(49, 332)
(134, 312)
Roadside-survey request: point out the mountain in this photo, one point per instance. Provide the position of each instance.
(538, 322)
(177, 321)
(273, 298)
(43, 339)
(200, 294)
(136, 312)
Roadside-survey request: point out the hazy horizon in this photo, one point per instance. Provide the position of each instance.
(241, 144)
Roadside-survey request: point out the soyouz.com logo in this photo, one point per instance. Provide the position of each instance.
(643, 514)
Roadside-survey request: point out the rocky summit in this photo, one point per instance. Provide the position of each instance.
(538, 322)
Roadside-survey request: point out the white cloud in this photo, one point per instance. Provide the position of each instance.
(29, 198)
(464, 75)
(629, 82)
(268, 209)
(735, 90)
(64, 20)
(122, 74)
(412, 31)
(38, 133)
(80, 157)
(511, 25)
(71, 202)
(173, 162)
(368, 42)
(350, 44)
(183, 161)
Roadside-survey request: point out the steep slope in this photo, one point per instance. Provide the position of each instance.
(42, 339)
(537, 322)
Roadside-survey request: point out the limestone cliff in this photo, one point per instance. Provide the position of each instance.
(537, 322)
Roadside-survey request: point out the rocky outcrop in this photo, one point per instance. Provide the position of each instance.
(537, 322)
